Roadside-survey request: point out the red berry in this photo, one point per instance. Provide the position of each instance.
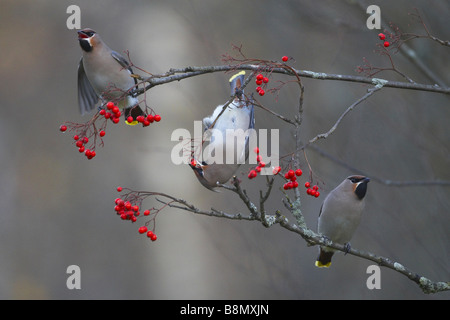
(307, 184)
(142, 229)
(315, 188)
(291, 174)
(110, 105)
(119, 189)
(81, 149)
(258, 169)
(276, 170)
(107, 115)
(285, 58)
(381, 36)
(259, 77)
(63, 128)
(258, 89)
(157, 118)
(265, 79)
(102, 112)
(316, 194)
(115, 109)
(258, 158)
(130, 119)
(123, 216)
(252, 174)
(146, 212)
(256, 150)
(386, 44)
(146, 123)
(153, 237)
(79, 143)
(151, 118)
(261, 92)
(262, 164)
(259, 82)
(85, 140)
(298, 172)
(76, 137)
(102, 133)
(285, 186)
(294, 184)
(139, 119)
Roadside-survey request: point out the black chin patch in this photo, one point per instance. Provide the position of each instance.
(361, 190)
(85, 45)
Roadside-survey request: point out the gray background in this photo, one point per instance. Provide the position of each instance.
(57, 207)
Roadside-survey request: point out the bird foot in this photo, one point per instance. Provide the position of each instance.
(347, 248)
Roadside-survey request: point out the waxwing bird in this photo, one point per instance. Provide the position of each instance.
(237, 119)
(104, 74)
(340, 215)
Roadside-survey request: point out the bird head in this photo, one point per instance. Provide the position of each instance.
(88, 39)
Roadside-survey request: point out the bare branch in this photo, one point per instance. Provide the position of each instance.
(184, 73)
(350, 108)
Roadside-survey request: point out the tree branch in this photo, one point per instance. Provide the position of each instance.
(312, 238)
(188, 72)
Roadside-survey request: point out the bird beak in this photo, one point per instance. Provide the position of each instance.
(82, 35)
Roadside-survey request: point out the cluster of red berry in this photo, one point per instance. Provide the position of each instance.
(292, 175)
(129, 211)
(261, 164)
(260, 79)
(81, 142)
(382, 37)
(114, 112)
(150, 233)
(312, 191)
(146, 121)
(111, 112)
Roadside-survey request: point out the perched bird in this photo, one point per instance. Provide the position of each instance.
(340, 215)
(237, 117)
(104, 73)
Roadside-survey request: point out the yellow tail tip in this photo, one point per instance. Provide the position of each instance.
(133, 123)
(320, 265)
(237, 75)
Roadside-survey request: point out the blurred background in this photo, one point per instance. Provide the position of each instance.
(57, 207)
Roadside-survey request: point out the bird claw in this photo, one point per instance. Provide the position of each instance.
(347, 248)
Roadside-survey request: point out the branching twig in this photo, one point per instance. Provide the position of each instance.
(350, 108)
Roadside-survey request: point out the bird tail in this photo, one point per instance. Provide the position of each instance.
(134, 112)
(324, 259)
(236, 82)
